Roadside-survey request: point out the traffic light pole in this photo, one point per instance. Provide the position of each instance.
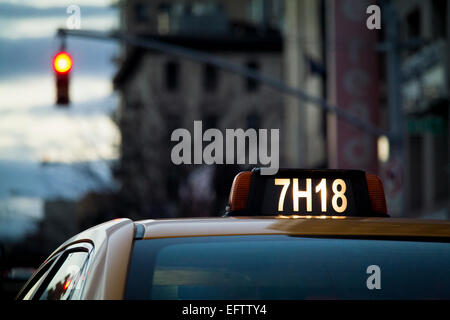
(397, 145)
(398, 139)
(226, 65)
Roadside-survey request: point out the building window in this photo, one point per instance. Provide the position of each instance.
(253, 121)
(413, 29)
(413, 24)
(439, 8)
(163, 19)
(172, 122)
(252, 84)
(172, 75)
(209, 122)
(142, 12)
(210, 78)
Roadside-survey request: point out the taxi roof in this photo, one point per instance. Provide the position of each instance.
(300, 226)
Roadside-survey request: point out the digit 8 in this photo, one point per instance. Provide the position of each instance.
(339, 194)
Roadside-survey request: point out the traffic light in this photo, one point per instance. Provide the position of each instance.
(62, 64)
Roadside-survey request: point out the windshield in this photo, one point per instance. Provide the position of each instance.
(286, 267)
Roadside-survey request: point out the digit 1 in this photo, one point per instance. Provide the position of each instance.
(322, 188)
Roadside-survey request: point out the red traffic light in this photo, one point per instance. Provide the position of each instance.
(62, 62)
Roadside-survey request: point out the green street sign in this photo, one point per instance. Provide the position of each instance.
(432, 124)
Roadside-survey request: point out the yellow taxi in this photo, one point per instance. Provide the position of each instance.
(299, 234)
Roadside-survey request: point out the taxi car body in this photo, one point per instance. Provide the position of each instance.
(238, 256)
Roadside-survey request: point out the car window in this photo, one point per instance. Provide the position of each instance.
(67, 282)
(37, 280)
(286, 267)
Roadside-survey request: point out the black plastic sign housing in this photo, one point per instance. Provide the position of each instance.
(308, 193)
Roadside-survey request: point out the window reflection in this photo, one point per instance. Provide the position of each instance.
(68, 280)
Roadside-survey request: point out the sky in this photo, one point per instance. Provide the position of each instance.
(33, 130)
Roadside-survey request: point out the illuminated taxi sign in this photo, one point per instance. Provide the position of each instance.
(307, 193)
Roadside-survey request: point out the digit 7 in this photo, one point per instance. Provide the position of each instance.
(285, 183)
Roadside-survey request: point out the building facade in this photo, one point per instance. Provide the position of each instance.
(424, 29)
(160, 93)
(289, 40)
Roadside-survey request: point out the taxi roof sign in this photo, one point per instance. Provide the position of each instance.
(307, 192)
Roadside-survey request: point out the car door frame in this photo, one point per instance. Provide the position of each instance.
(50, 267)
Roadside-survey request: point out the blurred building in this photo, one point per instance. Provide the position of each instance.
(321, 47)
(55, 227)
(160, 93)
(324, 40)
(424, 26)
(304, 61)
